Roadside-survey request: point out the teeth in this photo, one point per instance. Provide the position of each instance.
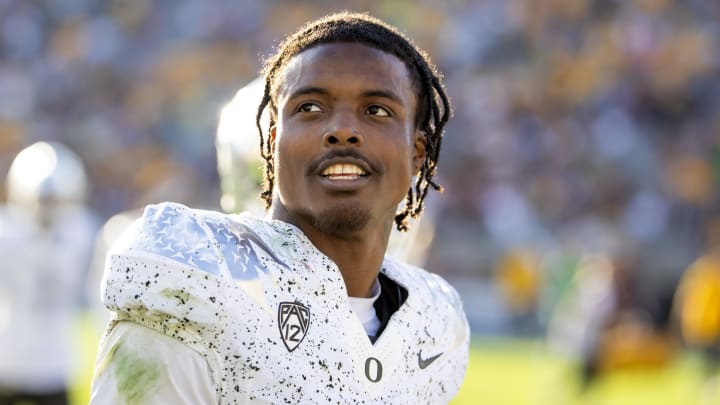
(343, 170)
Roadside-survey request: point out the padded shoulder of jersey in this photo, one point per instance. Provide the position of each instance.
(173, 251)
(197, 276)
(432, 286)
(436, 299)
(173, 232)
(212, 242)
(170, 270)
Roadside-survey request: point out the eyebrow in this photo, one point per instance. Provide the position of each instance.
(366, 94)
(383, 94)
(308, 90)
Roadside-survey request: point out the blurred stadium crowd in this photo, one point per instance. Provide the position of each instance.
(586, 132)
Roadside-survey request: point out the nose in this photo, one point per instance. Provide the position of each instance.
(342, 132)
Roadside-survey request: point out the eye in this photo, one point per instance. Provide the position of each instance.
(378, 111)
(309, 107)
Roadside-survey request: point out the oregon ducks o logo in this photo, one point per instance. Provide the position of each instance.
(373, 369)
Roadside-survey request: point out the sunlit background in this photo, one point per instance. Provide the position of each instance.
(581, 166)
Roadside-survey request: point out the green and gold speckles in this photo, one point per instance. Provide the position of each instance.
(180, 295)
(135, 374)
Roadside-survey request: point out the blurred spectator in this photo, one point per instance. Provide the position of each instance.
(520, 280)
(697, 308)
(46, 235)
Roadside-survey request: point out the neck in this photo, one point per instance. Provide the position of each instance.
(358, 255)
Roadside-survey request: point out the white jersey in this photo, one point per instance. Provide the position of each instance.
(270, 315)
(41, 273)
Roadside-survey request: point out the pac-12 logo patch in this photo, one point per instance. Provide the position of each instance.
(293, 320)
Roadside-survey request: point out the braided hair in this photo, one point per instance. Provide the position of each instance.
(433, 109)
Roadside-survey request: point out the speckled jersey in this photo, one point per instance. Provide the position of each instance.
(270, 313)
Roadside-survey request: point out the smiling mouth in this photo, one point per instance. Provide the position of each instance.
(343, 171)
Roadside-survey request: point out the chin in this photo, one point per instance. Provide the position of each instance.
(342, 220)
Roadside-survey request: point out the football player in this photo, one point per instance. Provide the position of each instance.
(46, 236)
(303, 306)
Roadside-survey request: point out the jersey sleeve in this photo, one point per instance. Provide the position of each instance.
(138, 365)
(457, 335)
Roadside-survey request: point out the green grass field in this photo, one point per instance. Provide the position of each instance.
(514, 372)
(522, 373)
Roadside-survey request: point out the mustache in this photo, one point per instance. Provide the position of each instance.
(343, 153)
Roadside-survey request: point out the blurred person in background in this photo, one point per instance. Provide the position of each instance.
(238, 151)
(520, 279)
(213, 308)
(697, 308)
(582, 313)
(46, 235)
(605, 323)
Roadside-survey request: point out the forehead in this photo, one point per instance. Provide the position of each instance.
(347, 66)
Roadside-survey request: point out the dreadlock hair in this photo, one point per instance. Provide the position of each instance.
(433, 109)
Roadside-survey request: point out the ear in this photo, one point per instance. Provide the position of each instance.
(420, 151)
(273, 135)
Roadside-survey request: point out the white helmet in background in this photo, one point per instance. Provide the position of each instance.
(46, 173)
(237, 143)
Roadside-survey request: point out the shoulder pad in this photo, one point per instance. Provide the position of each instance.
(437, 296)
(432, 286)
(172, 231)
(173, 255)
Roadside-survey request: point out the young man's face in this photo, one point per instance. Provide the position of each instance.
(346, 145)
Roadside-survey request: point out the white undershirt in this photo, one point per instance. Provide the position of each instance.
(365, 311)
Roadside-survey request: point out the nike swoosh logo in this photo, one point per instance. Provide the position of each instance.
(423, 363)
